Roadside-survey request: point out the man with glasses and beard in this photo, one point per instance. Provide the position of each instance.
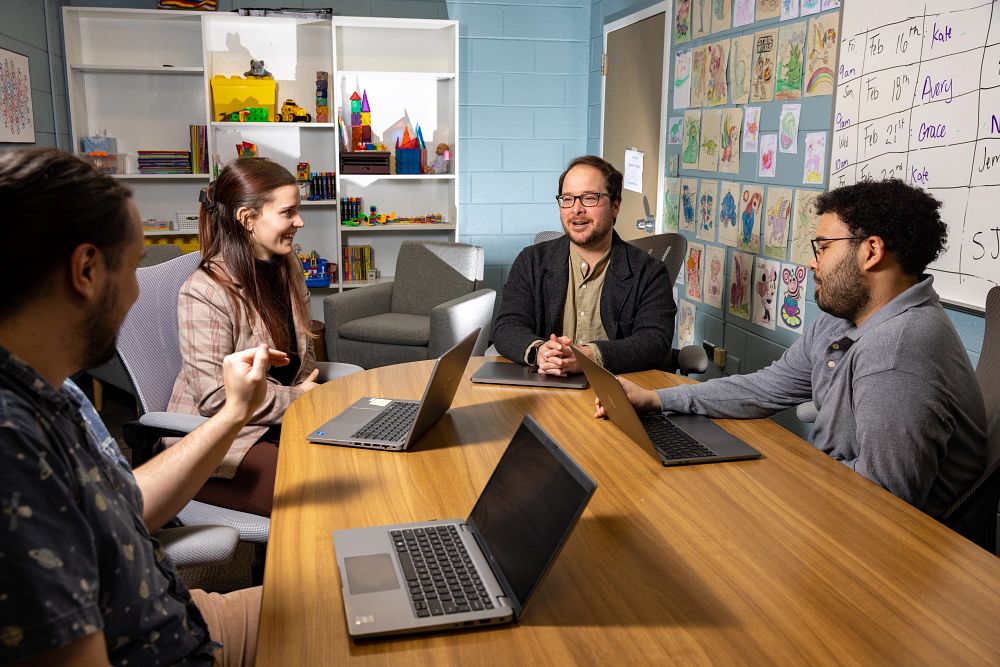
(82, 581)
(588, 287)
(897, 396)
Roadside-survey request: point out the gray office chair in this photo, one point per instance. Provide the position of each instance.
(670, 249)
(546, 235)
(148, 349)
(433, 302)
(974, 515)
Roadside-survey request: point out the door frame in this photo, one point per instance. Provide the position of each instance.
(641, 15)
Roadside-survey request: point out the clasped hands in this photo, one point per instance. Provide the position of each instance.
(556, 357)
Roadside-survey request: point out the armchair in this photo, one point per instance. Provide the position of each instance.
(432, 303)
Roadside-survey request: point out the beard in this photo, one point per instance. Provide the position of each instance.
(100, 336)
(594, 236)
(845, 294)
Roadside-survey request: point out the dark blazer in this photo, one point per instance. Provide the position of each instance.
(637, 307)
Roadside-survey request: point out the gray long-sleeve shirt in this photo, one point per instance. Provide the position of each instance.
(897, 397)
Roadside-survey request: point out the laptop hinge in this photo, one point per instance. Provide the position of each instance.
(509, 597)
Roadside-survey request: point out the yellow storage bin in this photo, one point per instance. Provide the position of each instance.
(232, 93)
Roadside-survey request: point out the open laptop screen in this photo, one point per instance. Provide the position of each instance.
(529, 507)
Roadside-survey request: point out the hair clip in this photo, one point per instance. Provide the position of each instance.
(204, 199)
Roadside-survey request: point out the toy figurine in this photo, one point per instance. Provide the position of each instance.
(322, 108)
(257, 70)
(442, 163)
(292, 113)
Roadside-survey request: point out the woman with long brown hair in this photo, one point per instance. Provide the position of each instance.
(249, 289)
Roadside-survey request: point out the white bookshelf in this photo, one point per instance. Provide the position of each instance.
(144, 76)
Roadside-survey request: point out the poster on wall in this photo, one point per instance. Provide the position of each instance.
(689, 204)
(739, 284)
(698, 62)
(740, 62)
(715, 276)
(804, 221)
(751, 129)
(748, 210)
(16, 117)
(814, 167)
(743, 12)
(682, 80)
(762, 72)
(685, 323)
(682, 22)
(788, 72)
(821, 55)
(788, 128)
(777, 218)
(701, 17)
(693, 270)
(768, 9)
(692, 134)
(767, 163)
(765, 292)
(716, 91)
(792, 301)
(676, 130)
(706, 210)
(711, 126)
(729, 196)
(729, 140)
(671, 202)
(721, 15)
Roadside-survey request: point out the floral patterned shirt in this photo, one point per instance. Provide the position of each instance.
(75, 555)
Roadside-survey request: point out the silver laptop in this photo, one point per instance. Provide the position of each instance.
(395, 424)
(420, 577)
(502, 372)
(677, 439)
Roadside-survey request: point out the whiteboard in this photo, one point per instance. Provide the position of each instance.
(918, 98)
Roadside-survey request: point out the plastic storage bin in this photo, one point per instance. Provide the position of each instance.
(235, 93)
(109, 163)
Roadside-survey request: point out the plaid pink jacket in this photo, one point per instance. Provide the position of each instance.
(209, 330)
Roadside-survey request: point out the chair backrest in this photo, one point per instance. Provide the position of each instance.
(975, 513)
(668, 248)
(547, 235)
(160, 253)
(431, 273)
(147, 342)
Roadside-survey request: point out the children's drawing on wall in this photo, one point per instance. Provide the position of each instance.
(675, 130)
(751, 129)
(768, 9)
(751, 202)
(740, 61)
(768, 156)
(792, 314)
(706, 210)
(682, 79)
(701, 18)
(788, 128)
(673, 165)
(729, 196)
(743, 11)
(809, 7)
(685, 323)
(689, 205)
(829, 4)
(721, 15)
(765, 292)
(821, 55)
(682, 22)
(716, 91)
(699, 56)
(692, 134)
(762, 72)
(791, 45)
(729, 140)
(777, 218)
(693, 270)
(671, 204)
(814, 167)
(715, 278)
(789, 10)
(804, 220)
(739, 285)
(708, 155)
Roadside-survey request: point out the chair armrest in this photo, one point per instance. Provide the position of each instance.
(354, 304)
(452, 320)
(806, 412)
(252, 528)
(199, 545)
(690, 359)
(172, 421)
(143, 435)
(331, 370)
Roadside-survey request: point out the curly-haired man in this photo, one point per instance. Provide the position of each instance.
(897, 397)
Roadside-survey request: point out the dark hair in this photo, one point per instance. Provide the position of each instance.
(53, 202)
(249, 183)
(904, 217)
(612, 177)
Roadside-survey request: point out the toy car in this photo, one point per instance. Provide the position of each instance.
(291, 113)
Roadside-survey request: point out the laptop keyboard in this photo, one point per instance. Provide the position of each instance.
(439, 572)
(392, 424)
(670, 441)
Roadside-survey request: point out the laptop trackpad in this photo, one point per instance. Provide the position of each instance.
(370, 574)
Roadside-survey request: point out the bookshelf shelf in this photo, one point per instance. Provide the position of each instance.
(162, 177)
(170, 232)
(272, 125)
(138, 69)
(402, 227)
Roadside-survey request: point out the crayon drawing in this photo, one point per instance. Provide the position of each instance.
(682, 80)
(740, 62)
(671, 204)
(706, 210)
(693, 270)
(743, 12)
(722, 16)
(768, 154)
(765, 292)
(788, 73)
(768, 9)
(789, 10)
(698, 64)
(788, 128)
(821, 56)
(716, 92)
(762, 72)
(682, 22)
(689, 205)
(751, 129)
(728, 225)
(739, 285)
(701, 18)
(809, 7)
(715, 276)
(777, 217)
(792, 313)
(711, 127)
(748, 209)
(729, 140)
(685, 324)
(676, 130)
(814, 167)
(804, 220)
(692, 134)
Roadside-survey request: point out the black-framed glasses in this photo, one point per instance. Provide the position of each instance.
(817, 249)
(588, 199)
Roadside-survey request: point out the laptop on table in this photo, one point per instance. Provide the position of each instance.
(395, 424)
(677, 439)
(422, 577)
(502, 372)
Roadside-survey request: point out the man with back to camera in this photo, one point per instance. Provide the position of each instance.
(897, 396)
(587, 287)
(82, 582)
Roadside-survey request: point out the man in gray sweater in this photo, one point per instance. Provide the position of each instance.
(897, 397)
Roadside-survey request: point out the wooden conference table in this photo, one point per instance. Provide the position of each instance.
(791, 559)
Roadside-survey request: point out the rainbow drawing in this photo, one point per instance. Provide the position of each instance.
(821, 77)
